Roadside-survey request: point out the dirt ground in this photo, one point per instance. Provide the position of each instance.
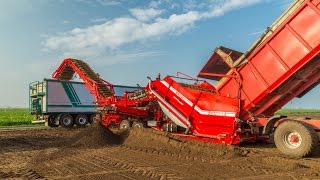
(97, 153)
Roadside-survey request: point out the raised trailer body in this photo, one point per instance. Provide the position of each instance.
(283, 64)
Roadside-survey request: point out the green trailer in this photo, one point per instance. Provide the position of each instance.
(62, 103)
(66, 103)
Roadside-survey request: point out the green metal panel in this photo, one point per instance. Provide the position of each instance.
(73, 92)
(69, 92)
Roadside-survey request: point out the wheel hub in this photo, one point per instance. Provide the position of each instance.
(66, 120)
(293, 140)
(82, 120)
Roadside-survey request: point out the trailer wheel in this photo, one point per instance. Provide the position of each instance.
(139, 124)
(92, 118)
(52, 121)
(295, 138)
(81, 120)
(66, 120)
(125, 124)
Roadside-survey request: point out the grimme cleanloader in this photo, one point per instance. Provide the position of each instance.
(282, 64)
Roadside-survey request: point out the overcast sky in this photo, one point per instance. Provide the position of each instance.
(125, 40)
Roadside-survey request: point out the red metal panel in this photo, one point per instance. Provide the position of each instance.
(229, 83)
(307, 18)
(316, 2)
(288, 47)
(251, 87)
(264, 62)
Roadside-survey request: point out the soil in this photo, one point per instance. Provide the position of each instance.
(96, 152)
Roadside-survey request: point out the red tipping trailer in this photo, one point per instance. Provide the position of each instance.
(283, 64)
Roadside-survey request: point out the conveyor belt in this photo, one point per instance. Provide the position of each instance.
(68, 72)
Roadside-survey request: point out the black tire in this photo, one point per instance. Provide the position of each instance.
(92, 118)
(81, 120)
(139, 124)
(66, 120)
(125, 124)
(52, 121)
(296, 138)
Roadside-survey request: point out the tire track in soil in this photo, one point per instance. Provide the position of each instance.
(223, 163)
(21, 174)
(100, 164)
(100, 136)
(145, 170)
(103, 160)
(301, 167)
(268, 176)
(152, 143)
(253, 171)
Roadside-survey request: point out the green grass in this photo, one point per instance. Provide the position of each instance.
(15, 117)
(299, 112)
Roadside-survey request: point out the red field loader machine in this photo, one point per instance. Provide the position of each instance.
(114, 109)
(282, 64)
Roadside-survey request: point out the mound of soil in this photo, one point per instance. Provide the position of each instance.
(97, 135)
(148, 138)
(94, 136)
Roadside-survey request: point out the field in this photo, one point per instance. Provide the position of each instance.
(15, 117)
(299, 112)
(96, 152)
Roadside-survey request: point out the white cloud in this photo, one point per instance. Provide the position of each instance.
(100, 2)
(145, 25)
(219, 9)
(110, 2)
(125, 57)
(99, 20)
(120, 31)
(154, 4)
(145, 14)
(283, 4)
(158, 3)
